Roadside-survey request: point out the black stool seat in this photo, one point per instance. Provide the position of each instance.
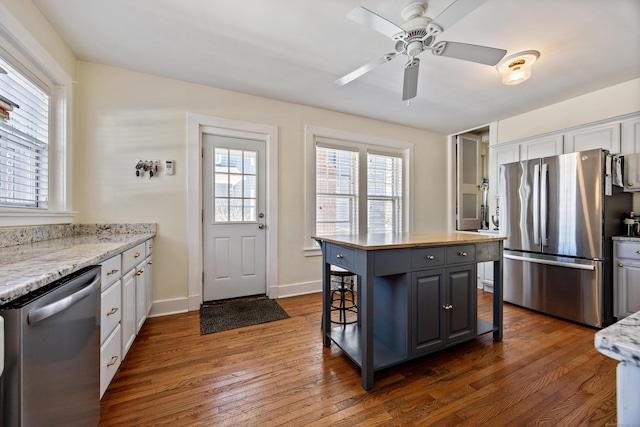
(345, 297)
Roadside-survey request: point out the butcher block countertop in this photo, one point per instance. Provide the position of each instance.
(374, 241)
(31, 263)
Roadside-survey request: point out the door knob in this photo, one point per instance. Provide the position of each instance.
(260, 226)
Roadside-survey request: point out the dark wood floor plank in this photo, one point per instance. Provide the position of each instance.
(545, 372)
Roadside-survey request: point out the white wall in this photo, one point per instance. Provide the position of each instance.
(613, 101)
(125, 115)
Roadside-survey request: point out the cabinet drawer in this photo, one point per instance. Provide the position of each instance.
(110, 310)
(461, 254)
(341, 256)
(149, 247)
(133, 257)
(629, 250)
(111, 271)
(109, 359)
(427, 257)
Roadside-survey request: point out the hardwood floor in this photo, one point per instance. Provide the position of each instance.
(546, 372)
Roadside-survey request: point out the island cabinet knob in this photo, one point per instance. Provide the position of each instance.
(638, 251)
(462, 253)
(339, 256)
(620, 264)
(447, 306)
(431, 257)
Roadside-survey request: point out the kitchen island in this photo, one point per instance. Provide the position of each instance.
(416, 294)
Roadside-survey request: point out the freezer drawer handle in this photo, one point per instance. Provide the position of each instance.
(549, 262)
(47, 311)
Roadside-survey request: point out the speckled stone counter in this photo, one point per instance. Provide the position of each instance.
(627, 238)
(621, 341)
(40, 255)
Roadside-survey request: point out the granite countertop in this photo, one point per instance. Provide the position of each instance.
(621, 341)
(29, 266)
(406, 240)
(627, 238)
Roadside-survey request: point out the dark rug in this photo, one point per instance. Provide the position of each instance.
(216, 316)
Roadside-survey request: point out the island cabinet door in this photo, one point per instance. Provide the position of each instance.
(461, 303)
(427, 313)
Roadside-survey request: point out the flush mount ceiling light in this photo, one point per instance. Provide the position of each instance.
(516, 68)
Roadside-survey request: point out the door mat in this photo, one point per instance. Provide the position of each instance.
(216, 316)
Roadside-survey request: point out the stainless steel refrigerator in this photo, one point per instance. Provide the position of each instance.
(558, 220)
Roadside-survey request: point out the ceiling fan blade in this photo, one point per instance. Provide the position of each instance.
(469, 52)
(458, 10)
(365, 69)
(374, 21)
(410, 86)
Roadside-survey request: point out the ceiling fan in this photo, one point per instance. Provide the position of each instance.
(418, 34)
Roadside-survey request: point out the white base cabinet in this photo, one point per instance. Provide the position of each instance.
(626, 280)
(126, 301)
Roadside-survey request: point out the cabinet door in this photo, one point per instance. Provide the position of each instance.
(128, 311)
(541, 147)
(141, 295)
(628, 278)
(605, 136)
(149, 273)
(461, 311)
(500, 155)
(428, 299)
(631, 172)
(631, 136)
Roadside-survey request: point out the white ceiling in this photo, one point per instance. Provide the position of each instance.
(294, 50)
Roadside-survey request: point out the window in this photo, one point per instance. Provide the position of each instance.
(356, 184)
(235, 185)
(24, 141)
(35, 143)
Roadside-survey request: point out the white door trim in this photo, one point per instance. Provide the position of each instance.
(197, 124)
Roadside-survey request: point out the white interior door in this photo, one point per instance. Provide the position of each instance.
(234, 223)
(468, 181)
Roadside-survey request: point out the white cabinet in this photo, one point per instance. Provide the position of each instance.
(125, 304)
(631, 135)
(541, 147)
(110, 318)
(626, 280)
(485, 276)
(605, 136)
(631, 178)
(500, 155)
(128, 311)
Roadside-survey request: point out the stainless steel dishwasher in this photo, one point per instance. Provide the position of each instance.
(52, 354)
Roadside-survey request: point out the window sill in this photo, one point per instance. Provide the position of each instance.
(15, 217)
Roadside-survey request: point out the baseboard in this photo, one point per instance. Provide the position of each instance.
(284, 291)
(169, 306)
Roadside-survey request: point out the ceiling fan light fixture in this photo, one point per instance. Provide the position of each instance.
(516, 68)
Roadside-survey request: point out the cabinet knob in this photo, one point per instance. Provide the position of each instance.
(112, 311)
(638, 251)
(462, 253)
(630, 184)
(431, 257)
(136, 255)
(447, 306)
(339, 256)
(113, 361)
(620, 264)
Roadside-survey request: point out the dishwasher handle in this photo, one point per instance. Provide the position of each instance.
(49, 310)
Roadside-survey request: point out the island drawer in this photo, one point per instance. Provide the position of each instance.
(133, 257)
(459, 254)
(392, 261)
(427, 257)
(341, 256)
(630, 250)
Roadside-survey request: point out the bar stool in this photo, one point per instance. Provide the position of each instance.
(345, 296)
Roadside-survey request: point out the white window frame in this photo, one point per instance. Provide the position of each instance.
(364, 143)
(19, 48)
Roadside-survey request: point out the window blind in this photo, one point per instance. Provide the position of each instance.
(384, 193)
(24, 141)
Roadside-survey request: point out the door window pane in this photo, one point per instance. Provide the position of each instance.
(235, 183)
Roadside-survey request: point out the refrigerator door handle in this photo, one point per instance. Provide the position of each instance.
(544, 203)
(536, 204)
(551, 262)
